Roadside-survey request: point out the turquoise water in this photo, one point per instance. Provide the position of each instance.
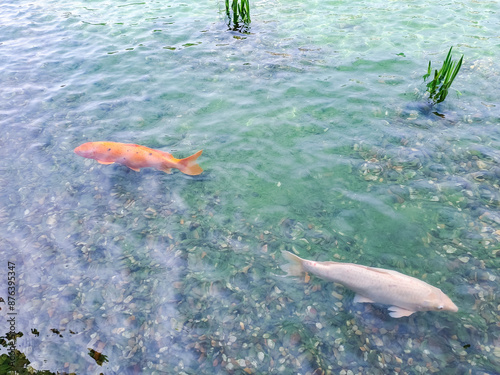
(315, 139)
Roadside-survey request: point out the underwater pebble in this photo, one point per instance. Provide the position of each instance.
(337, 295)
(128, 299)
(481, 164)
(260, 355)
(77, 316)
(449, 249)
(464, 259)
(496, 351)
(51, 220)
(128, 334)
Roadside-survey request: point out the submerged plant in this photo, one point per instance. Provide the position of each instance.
(439, 86)
(238, 12)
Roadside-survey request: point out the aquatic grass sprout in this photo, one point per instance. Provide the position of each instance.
(439, 86)
(238, 12)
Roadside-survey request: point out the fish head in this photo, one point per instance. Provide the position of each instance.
(447, 304)
(87, 150)
(440, 302)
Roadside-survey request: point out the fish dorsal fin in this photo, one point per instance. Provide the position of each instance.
(362, 299)
(398, 312)
(384, 271)
(150, 150)
(139, 146)
(372, 269)
(166, 154)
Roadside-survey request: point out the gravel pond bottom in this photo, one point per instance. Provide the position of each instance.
(316, 139)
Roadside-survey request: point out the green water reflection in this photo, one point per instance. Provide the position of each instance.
(314, 140)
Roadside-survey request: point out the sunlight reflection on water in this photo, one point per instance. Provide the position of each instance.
(314, 141)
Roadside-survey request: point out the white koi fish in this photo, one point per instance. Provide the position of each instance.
(404, 294)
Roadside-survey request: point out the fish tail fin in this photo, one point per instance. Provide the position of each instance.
(189, 166)
(294, 266)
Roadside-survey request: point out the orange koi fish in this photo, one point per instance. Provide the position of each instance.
(136, 157)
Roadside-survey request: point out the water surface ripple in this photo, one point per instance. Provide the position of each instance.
(316, 140)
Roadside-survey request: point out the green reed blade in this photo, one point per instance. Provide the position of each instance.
(443, 78)
(425, 76)
(459, 65)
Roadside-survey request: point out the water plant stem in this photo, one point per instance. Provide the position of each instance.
(238, 12)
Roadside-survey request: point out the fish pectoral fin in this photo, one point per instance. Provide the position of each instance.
(166, 170)
(398, 312)
(134, 169)
(362, 299)
(105, 162)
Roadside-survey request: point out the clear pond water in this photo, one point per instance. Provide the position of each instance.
(316, 139)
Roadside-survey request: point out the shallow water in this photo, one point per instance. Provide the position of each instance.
(315, 140)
